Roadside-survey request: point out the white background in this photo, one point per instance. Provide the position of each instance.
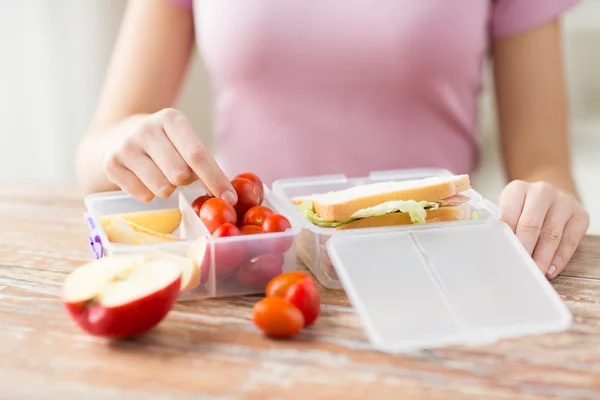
(54, 53)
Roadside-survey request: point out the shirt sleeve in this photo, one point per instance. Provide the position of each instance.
(183, 3)
(514, 16)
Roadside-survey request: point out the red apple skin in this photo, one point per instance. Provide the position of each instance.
(126, 320)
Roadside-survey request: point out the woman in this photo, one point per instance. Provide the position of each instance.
(343, 86)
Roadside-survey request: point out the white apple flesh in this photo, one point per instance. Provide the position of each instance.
(190, 268)
(121, 296)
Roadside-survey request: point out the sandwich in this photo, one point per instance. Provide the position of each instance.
(434, 199)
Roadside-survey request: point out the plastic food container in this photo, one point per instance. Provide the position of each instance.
(312, 239)
(415, 286)
(220, 276)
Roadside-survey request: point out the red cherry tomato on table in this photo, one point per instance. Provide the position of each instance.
(250, 229)
(197, 204)
(278, 286)
(258, 272)
(305, 296)
(276, 223)
(256, 215)
(248, 196)
(277, 317)
(257, 182)
(216, 212)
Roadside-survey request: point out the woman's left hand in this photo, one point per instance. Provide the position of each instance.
(550, 223)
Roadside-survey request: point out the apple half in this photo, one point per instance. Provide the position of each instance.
(121, 296)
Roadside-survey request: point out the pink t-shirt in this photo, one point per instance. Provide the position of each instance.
(351, 86)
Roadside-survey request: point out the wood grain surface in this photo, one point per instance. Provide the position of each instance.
(210, 349)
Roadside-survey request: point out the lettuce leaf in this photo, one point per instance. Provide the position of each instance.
(306, 208)
(416, 211)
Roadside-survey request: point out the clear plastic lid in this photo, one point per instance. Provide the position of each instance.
(462, 284)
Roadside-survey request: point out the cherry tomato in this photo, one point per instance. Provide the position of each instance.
(226, 230)
(257, 272)
(248, 196)
(276, 223)
(256, 180)
(256, 215)
(197, 204)
(216, 212)
(278, 286)
(279, 256)
(305, 296)
(277, 317)
(250, 229)
(229, 256)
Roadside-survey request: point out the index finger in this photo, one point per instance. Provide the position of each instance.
(179, 130)
(512, 201)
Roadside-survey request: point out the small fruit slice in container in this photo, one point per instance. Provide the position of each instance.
(121, 296)
(119, 230)
(163, 221)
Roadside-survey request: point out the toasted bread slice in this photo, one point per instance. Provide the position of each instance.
(442, 214)
(341, 204)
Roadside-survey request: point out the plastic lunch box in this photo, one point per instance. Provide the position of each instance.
(414, 286)
(193, 231)
(312, 239)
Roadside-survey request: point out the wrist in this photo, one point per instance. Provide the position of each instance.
(558, 176)
(92, 150)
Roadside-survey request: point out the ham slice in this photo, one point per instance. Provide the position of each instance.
(455, 200)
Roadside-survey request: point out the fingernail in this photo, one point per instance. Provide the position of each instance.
(229, 197)
(165, 191)
(551, 270)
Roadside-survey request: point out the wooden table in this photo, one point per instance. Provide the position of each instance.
(210, 349)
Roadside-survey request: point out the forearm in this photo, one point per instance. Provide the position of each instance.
(532, 107)
(92, 151)
(537, 149)
(145, 73)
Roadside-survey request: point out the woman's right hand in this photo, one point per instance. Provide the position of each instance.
(161, 152)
